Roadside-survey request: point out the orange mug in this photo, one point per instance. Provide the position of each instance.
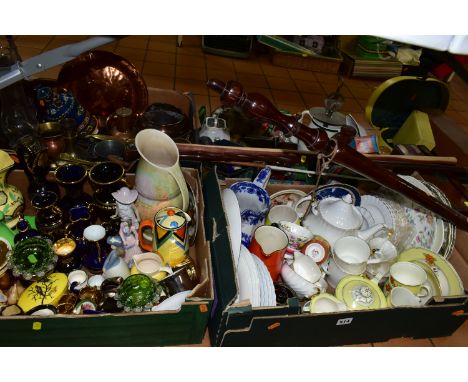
(269, 245)
(169, 235)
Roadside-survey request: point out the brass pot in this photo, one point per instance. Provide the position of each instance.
(50, 135)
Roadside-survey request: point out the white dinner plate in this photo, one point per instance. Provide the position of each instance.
(233, 217)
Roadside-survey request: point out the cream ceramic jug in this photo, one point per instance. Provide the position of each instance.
(333, 218)
(158, 178)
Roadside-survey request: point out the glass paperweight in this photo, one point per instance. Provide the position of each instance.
(32, 258)
(138, 293)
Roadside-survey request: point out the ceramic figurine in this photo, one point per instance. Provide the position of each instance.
(129, 235)
(11, 199)
(126, 210)
(115, 265)
(25, 231)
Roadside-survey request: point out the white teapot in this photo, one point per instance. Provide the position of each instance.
(333, 218)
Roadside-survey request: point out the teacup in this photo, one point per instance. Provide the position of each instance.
(302, 287)
(400, 296)
(324, 303)
(269, 245)
(410, 276)
(77, 280)
(282, 213)
(351, 254)
(297, 234)
(254, 203)
(305, 267)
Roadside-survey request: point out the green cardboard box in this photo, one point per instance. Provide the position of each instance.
(241, 325)
(186, 326)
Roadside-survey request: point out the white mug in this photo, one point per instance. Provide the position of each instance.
(351, 254)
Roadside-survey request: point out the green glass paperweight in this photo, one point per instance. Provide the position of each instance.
(138, 293)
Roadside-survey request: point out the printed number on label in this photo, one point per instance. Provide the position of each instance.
(344, 321)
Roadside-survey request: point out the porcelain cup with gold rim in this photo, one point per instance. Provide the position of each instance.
(410, 276)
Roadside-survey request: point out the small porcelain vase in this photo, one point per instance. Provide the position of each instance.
(158, 178)
(11, 199)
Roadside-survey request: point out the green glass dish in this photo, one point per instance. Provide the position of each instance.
(138, 293)
(32, 258)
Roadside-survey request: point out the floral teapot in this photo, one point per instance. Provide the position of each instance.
(333, 218)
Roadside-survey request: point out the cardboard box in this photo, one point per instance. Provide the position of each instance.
(186, 326)
(241, 325)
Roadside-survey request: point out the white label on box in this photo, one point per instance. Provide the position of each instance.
(344, 321)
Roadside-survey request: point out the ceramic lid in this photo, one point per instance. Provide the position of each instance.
(170, 218)
(359, 293)
(340, 213)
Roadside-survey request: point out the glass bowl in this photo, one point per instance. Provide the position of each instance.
(138, 293)
(32, 258)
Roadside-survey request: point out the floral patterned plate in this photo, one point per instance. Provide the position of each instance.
(449, 230)
(424, 221)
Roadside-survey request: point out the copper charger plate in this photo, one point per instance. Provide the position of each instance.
(102, 82)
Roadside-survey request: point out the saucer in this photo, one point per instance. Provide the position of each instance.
(359, 293)
(449, 280)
